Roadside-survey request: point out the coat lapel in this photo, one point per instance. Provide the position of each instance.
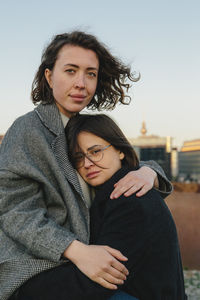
(50, 116)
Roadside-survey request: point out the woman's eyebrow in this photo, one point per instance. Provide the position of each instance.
(71, 65)
(76, 66)
(92, 68)
(90, 148)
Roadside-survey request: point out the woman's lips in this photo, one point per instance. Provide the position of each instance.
(92, 174)
(78, 97)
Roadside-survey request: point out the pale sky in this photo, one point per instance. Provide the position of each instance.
(159, 39)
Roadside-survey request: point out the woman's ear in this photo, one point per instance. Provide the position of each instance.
(121, 155)
(47, 74)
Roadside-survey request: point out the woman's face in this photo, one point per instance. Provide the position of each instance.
(96, 174)
(73, 79)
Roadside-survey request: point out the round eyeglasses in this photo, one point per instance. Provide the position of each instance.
(94, 154)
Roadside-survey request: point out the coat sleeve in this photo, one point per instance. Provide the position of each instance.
(165, 186)
(25, 219)
(32, 212)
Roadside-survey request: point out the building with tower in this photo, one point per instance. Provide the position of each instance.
(153, 147)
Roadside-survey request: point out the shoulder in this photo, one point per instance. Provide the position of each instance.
(27, 137)
(148, 211)
(20, 132)
(26, 129)
(155, 210)
(150, 206)
(21, 125)
(145, 202)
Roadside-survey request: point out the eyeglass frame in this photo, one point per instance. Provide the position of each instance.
(84, 155)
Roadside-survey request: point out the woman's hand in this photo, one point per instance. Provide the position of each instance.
(141, 180)
(99, 263)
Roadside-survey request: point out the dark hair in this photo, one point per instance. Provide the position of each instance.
(112, 74)
(104, 127)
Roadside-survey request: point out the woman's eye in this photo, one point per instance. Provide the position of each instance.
(96, 151)
(92, 74)
(71, 71)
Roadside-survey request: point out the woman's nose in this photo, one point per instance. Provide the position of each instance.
(87, 163)
(80, 81)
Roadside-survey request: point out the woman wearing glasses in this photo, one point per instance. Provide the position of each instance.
(142, 229)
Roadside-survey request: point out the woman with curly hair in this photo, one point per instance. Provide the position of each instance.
(44, 205)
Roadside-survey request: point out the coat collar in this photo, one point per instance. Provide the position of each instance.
(50, 117)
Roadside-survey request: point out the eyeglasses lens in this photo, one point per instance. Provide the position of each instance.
(95, 154)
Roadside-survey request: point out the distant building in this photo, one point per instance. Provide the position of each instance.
(1, 138)
(174, 163)
(153, 147)
(189, 161)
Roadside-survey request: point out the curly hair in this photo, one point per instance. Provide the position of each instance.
(112, 77)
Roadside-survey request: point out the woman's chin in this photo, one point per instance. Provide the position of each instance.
(95, 182)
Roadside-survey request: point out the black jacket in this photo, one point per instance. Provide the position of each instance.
(144, 231)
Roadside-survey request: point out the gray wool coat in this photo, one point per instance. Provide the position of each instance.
(42, 207)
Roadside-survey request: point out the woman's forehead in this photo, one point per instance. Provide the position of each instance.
(70, 54)
(87, 140)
